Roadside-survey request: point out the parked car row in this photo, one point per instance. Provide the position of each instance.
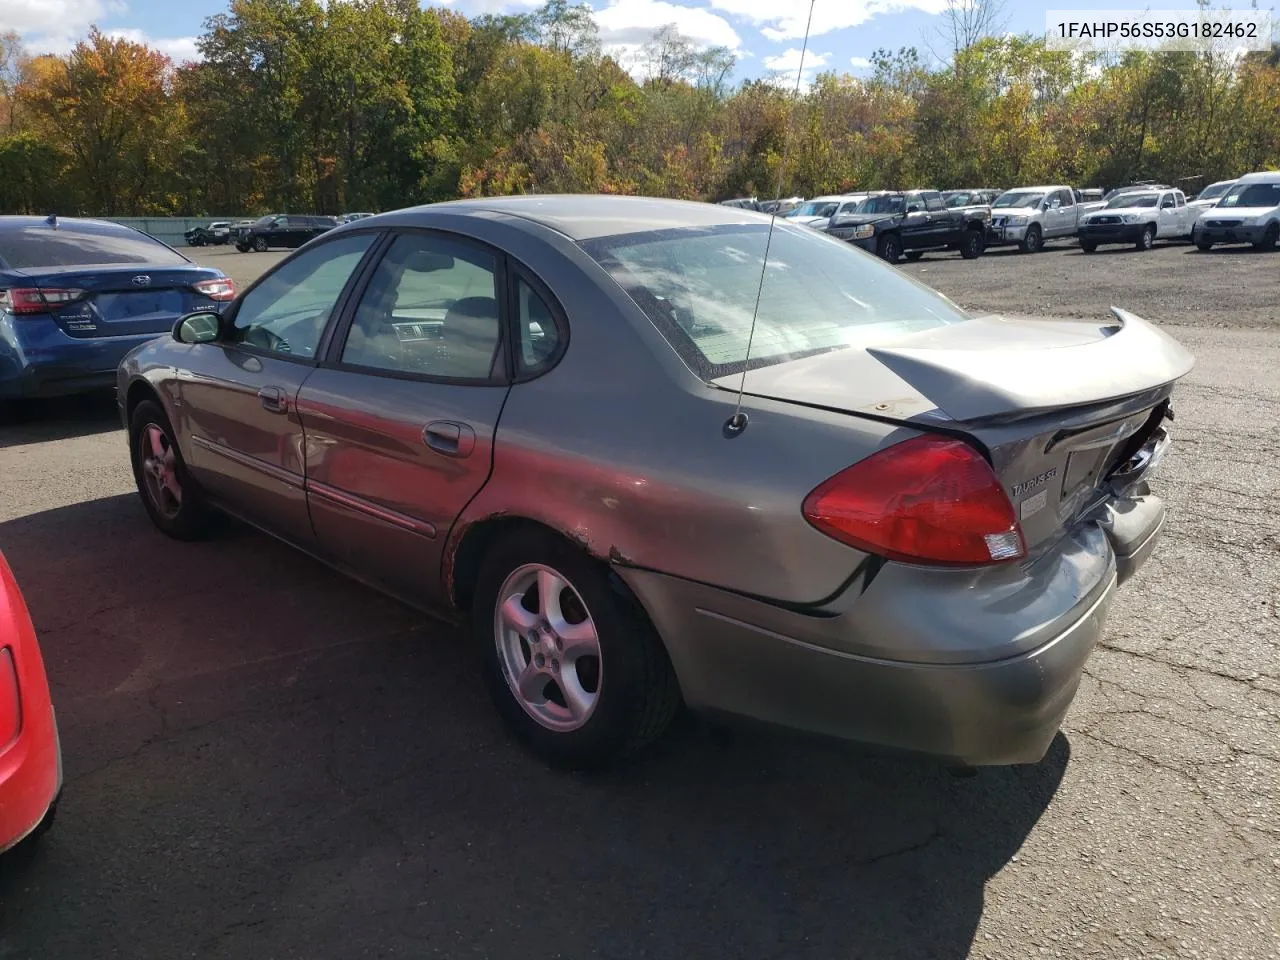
(265, 233)
(911, 223)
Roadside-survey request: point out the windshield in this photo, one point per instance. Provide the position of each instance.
(1252, 195)
(814, 208)
(1134, 200)
(82, 245)
(891, 204)
(698, 286)
(1019, 198)
(1215, 190)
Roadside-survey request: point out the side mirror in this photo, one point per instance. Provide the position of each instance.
(200, 327)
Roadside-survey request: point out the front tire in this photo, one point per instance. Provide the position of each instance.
(972, 245)
(1033, 242)
(1088, 246)
(1148, 238)
(1204, 246)
(914, 255)
(1269, 239)
(889, 247)
(572, 663)
(170, 497)
(242, 247)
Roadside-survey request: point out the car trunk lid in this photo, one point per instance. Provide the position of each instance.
(1064, 409)
(124, 300)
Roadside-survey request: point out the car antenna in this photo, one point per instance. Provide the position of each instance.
(738, 422)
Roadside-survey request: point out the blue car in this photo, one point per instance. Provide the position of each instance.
(77, 295)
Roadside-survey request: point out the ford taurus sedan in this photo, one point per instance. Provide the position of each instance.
(857, 511)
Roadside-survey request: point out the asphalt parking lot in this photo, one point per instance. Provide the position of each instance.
(264, 759)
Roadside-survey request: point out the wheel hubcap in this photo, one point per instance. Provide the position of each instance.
(548, 647)
(160, 471)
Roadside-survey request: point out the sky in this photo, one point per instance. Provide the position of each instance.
(765, 35)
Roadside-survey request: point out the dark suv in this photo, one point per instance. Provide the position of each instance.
(282, 230)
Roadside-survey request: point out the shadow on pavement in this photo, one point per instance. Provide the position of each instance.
(264, 759)
(58, 418)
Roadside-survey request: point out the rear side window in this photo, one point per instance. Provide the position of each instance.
(698, 286)
(82, 245)
(933, 201)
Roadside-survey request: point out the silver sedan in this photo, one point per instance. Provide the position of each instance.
(653, 467)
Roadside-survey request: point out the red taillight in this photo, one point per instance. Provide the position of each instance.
(928, 500)
(219, 288)
(10, 705)
(29, 300)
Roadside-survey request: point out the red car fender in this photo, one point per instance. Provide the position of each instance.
(30, 765)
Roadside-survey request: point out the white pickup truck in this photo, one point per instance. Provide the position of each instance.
(1028, 216)
(1139, 218)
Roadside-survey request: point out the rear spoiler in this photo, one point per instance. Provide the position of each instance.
(968, 373)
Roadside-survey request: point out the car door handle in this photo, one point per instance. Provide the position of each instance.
(450, 438)
(273, 399)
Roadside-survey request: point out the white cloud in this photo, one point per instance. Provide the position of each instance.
(789, 61)
(785, 65)
(54, 17)
(859, 63)
(632, 22)
(54, 26)
(178, 49)
(779, 20)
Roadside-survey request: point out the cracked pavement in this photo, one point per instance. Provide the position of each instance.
(266, 759)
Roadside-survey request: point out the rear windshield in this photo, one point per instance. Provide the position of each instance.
(698, 286)
(81, 245)
(1252, 195)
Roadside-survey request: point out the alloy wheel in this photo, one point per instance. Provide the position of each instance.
(160, 471)
(548, 647)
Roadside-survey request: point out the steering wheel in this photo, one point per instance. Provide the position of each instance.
(267, 339)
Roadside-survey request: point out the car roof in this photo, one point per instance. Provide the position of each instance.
(588, 216)
(19, 222)
(1263, 176)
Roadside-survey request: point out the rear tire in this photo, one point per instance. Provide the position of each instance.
(1088, 246)
(1204, 246)
(243, 248)
(1033, 242)
(972, 245)
(889, 247)
(1269, 239)
(1148, 238)
(171, 499)
(635, 692)
(260, 244)
(914, 255)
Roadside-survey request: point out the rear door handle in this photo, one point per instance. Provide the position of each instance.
(273, 399)
(449, 437)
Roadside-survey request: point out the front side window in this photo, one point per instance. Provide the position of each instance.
(287, 312)
(430, 309)
(698, 287)
(933, 201)
(1066, 198)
